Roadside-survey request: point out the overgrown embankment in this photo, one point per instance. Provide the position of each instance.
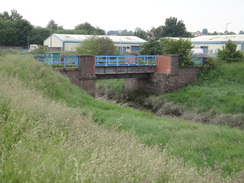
(48, 134)
(216, 98)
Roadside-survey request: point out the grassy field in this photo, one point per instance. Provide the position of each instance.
(51, 131)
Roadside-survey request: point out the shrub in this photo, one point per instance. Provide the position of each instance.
(229, 53)
(211, 64)
(181, 47)
(39, 50)
(152, 47)
(97, 46)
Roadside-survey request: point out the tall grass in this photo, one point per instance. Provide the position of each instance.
(48, 135)
(216, 98)
(113, 89)
(220, 90)
(44, 141)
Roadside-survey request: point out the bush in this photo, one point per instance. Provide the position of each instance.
(211, 64)
(39, 50)
(229, 53)
(181, 47)
(152, 47)
(97, 46)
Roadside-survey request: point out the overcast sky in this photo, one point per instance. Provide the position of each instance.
(129, 14)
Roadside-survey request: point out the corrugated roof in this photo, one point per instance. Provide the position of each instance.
(80, 38)
(218, 38)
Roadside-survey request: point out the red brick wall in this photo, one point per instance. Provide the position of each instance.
(163, 64)
(168, 77)
(84, 76)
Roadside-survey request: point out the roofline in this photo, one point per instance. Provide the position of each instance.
(54, 36)
(214, 42)
(113, 42)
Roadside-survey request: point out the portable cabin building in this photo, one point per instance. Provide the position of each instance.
(69, 42)
(210, 44)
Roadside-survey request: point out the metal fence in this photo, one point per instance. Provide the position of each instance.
(103, 60)
(56, 61)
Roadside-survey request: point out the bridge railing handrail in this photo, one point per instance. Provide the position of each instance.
(123, 60)
(56, 61)
(197, 60)
(105, 60)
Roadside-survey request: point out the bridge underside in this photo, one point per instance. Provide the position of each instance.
(123, 72)
(123, 76)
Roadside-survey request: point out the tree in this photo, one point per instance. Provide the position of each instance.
(8, 33)
(24, 29)
(52, 25)
(152, 47)
(113, 32)
(214, 33)
(155, 33)
(174, 28)
(229, 53)
(38, 35)
(87, 28)
(14, 16)
(181, 47)
(97, 46)
(205, 31)
(140, 33)
(14, 30)
(241, 32)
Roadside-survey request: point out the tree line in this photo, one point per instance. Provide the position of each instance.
(17, 31)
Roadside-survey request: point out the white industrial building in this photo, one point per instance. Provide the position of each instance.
(211, 43)
(69, 42)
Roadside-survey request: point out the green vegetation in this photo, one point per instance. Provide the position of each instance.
(229, 53)
(151, 47)
(14, 30)
(47, 134)
(97, 46)
(181, 47)
(169, 46)
(221, 90)
(216, 98)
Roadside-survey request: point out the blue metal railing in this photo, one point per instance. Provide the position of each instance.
(108, 60)
(103, 60)
(56, 61)
(197, 61)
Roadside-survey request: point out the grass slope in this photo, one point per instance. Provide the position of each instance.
(221, 90)
(47, 134)
(216, 98)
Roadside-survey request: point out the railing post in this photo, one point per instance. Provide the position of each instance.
(65, 60)
(117, 61)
